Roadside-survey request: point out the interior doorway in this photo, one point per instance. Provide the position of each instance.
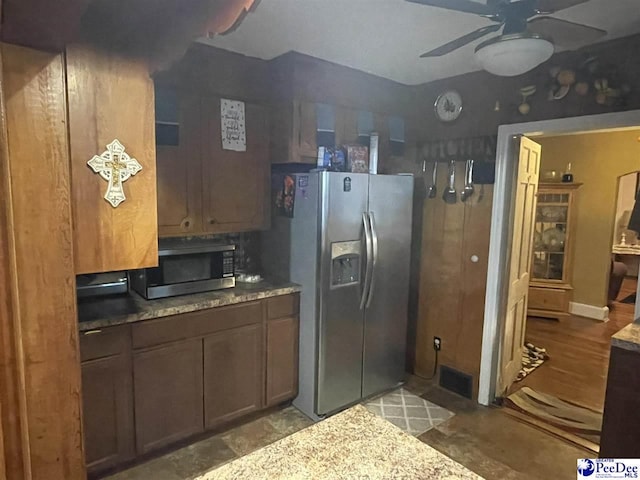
(583, 277)
(576, 280)
(625, 242)
(502, 228)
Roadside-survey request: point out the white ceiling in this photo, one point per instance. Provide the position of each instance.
(386, 37)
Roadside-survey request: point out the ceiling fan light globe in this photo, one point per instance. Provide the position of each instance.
(513, 55)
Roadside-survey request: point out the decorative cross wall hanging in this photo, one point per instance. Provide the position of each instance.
(115, 166)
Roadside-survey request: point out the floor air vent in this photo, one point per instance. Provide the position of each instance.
(456, 381)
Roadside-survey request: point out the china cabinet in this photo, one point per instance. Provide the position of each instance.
(552, 261)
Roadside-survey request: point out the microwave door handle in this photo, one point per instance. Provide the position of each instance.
(374, 262)
(369, 257)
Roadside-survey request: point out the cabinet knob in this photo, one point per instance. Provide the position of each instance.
(212, 221)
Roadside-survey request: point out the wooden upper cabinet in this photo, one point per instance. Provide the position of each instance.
(178, 120)
(235, 184)
(111, 98)
(305, 126)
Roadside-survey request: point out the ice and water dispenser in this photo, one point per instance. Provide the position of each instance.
(345, 263)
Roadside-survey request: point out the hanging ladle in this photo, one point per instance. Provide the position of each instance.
(450, 195)
(433, 190)
(468, 183)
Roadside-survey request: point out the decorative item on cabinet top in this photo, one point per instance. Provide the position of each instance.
(115, 166)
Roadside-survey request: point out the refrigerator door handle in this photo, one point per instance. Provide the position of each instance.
(369, 252)
(374, 262)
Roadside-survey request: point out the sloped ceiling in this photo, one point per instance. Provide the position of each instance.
(386, 37)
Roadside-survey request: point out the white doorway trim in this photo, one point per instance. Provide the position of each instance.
(499, 250)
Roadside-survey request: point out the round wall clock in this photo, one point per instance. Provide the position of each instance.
(448, 106)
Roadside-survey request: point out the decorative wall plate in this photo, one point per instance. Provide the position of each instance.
(115, 166)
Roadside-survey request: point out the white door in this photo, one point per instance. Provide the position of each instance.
(524, 207)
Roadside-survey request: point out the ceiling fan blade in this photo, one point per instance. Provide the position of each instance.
(552, 6)
(466, 6)
(461, 42)
(565, 34)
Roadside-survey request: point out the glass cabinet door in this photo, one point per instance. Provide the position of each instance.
(550, 237)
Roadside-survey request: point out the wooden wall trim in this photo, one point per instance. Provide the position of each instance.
(12, 397)
(43, 280)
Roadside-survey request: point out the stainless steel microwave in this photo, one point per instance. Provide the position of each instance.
(183, 270)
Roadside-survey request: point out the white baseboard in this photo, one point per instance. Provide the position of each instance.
(589, 311)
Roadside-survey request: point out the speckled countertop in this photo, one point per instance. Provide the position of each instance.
(133, 308)
(628, 338)
(354, 444)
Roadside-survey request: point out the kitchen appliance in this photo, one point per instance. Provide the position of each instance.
(187, 269)
(348, 245)
(101, 284)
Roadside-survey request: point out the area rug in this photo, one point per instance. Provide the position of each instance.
(631, 299)
(532, 358)
(562, 415)
(354, 444)
(412, 414)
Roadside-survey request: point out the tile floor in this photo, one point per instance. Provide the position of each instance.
(200, 457)
(408, 412)
(485, 440)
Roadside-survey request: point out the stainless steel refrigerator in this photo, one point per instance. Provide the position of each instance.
(348, 245)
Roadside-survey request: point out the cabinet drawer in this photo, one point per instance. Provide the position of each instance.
(283, 306)
(554, 299)
(195, 324)
(104, 342)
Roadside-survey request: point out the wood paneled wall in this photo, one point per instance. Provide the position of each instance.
(212, 71)
(452, 289)
(11, 394)
(37, 238)
(452, 286)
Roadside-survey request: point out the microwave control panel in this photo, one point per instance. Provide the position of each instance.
(227, 263)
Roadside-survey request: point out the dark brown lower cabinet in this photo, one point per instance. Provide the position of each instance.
(168, 393)
(107, 398)
(620, 437)
(153, 383)
(233, 374)
(282, 360)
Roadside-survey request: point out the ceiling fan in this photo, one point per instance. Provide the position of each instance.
(528, 32)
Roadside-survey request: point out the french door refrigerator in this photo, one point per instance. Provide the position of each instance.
(348, 245)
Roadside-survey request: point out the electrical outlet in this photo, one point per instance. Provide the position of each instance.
(437, 343)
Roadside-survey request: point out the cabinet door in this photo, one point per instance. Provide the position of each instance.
(381, 125)
(233, 374)
(168, 394)
(282, 360)
(346, 126)
(180, 168)
(107, 105)
(107, 411)
(305, 130)
(236, 184)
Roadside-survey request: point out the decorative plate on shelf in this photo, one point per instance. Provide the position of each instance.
(553, 239)
(553, 214)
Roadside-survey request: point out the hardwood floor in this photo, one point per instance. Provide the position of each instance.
(579, 353)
